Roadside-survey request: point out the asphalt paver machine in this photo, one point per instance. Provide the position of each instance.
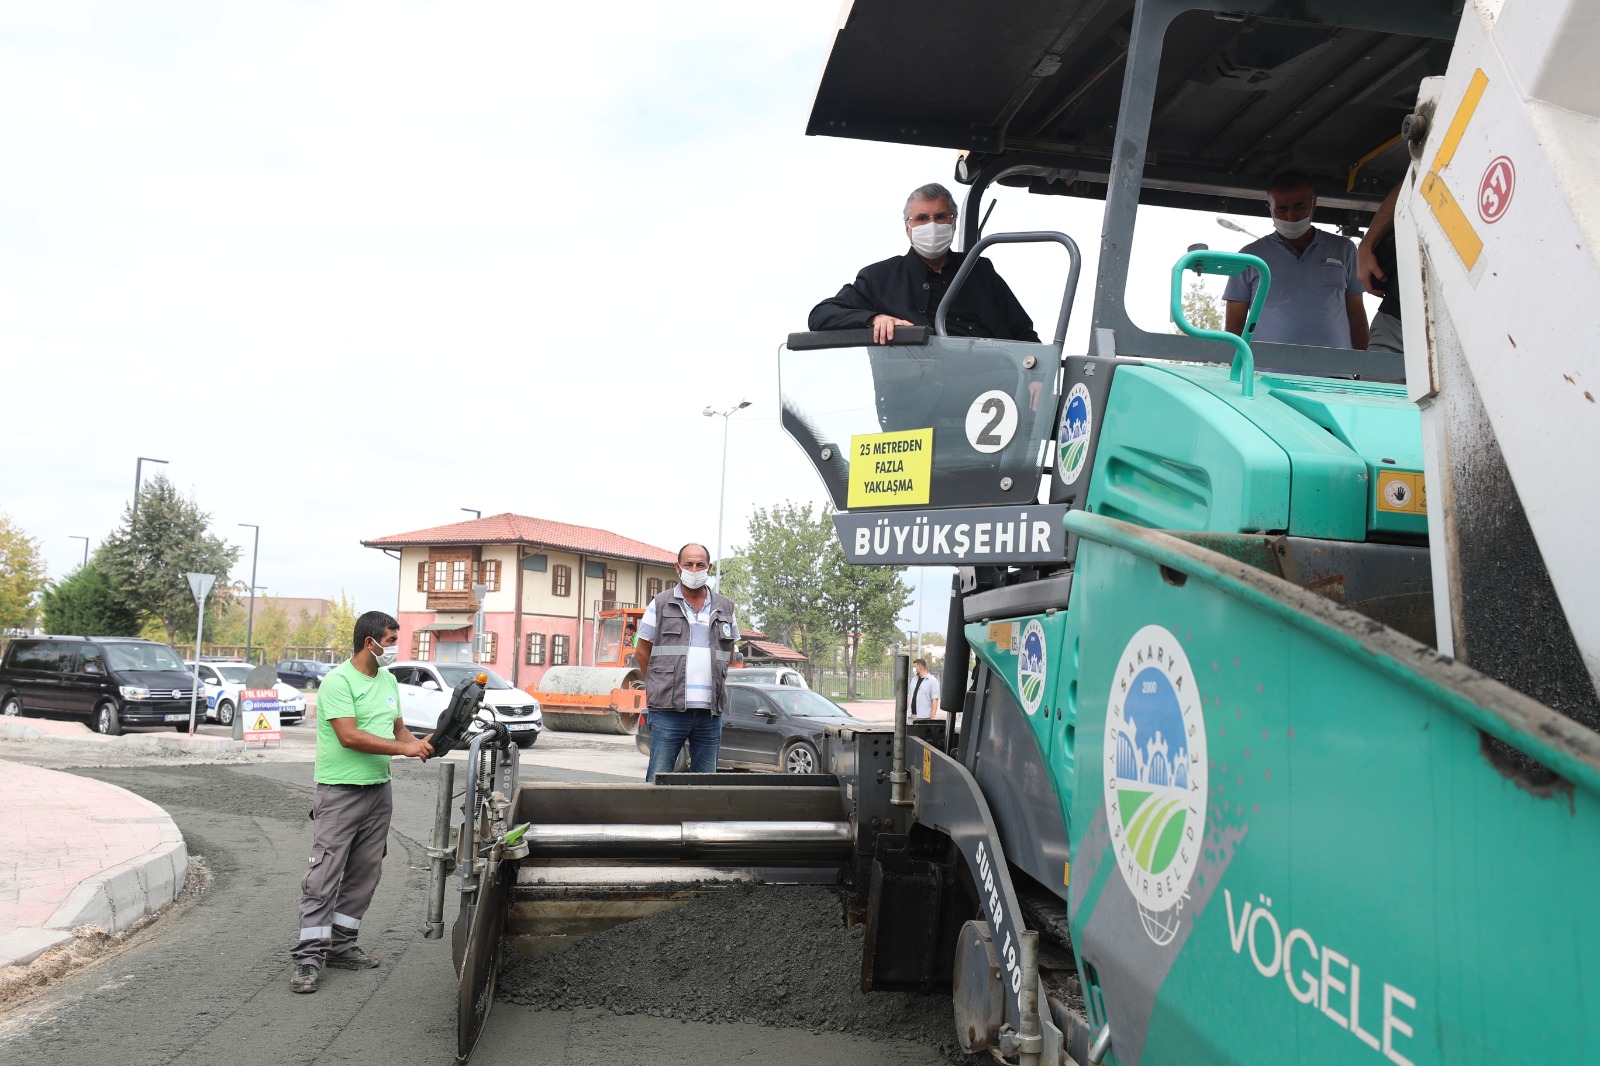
(1279, 745)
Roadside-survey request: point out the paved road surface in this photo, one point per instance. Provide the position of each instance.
(210, 985)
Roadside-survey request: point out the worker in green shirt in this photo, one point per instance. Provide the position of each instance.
(358, 731)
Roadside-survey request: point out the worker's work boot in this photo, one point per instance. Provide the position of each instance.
(352, 958)
(305, 978)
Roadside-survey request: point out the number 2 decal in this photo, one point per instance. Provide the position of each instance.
(991, 421)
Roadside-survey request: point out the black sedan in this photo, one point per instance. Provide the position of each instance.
(770, 727)
(303, 673)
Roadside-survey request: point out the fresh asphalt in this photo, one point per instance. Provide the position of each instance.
(209, 984)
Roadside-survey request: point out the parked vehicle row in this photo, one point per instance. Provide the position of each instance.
(111, 681)
(224, 680)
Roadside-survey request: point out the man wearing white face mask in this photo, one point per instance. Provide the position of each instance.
(906, 290)
(1315, 294)
(684, 648)
(358, 731)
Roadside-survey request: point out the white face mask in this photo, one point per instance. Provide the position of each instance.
(694, 579)
(931, 239)
(387, 656)
(1291, 230)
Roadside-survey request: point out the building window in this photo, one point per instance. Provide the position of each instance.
(441, 576)
(489, 574)
(558, 650)
(491, 641)
(535, 649)
(422, 577)
(458, 575)
(652, 588)
(609, 589)
(422, 646)
(561, 580)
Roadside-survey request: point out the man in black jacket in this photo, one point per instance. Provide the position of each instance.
(906, 290)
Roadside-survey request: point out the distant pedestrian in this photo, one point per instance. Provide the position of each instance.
(358, 731)
(685, 647)
(922, 702)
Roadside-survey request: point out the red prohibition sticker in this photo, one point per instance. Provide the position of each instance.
(1494, 191)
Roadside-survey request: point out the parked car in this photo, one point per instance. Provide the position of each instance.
(769, 675)
(303, 673)
(223, 681)
(425, 692)
(112, 681)
(769, 727)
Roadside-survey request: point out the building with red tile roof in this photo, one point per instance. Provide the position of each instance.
(545, 582)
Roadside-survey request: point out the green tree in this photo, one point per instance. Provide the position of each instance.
(339, 626)
(775, 578)
(22, 576)
(85, 603)
(862, 603)
(1200, 307)
(147, 557)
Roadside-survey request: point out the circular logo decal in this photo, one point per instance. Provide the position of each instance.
(1073, 437)
(1397, 493)
(1031, 662)
(991, 421)
(249, 705)
(1494, 191)
(1155, 780)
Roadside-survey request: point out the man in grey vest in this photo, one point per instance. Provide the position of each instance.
(685, 645)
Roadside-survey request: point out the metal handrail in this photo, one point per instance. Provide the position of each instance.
(1022, 237)
(1227, 264)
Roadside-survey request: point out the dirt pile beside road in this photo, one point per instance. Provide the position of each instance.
(771, 956)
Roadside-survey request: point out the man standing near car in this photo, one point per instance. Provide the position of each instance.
(923, 702)
(358, 731)
(685, 646)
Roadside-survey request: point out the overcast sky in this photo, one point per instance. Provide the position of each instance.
(351, 266)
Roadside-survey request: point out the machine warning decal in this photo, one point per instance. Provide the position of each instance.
(1072, 438)
(1402, 492)
(1494, 191)
(927, 765)
(1003, 635)
(991, 421)
(1031, 663)
(890, 469)
(1155, 781)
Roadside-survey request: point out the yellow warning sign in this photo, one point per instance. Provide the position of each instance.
(927, 765)
(1402, 492)
(890, 469)
(262, 725)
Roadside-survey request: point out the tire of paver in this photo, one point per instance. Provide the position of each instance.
(107, 720)
(799, 758)
(12, 707)
(225, 712)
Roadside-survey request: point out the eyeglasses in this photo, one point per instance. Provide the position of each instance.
(943, 218)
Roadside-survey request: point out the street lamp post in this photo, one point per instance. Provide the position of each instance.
(250, 623)
(1228, 223)
(138, 476)
(74, 536)
(722, 497)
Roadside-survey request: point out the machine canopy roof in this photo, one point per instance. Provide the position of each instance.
(1316, 85)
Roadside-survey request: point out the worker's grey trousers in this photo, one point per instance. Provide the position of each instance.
(348, 844)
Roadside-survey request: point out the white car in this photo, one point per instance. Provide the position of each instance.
(769, 675)
(425, 692)
(223, 681)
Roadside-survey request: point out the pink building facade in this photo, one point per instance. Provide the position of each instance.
(544, 584)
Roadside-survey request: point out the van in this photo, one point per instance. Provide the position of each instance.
(112, 681)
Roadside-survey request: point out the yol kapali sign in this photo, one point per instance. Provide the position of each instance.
(954, 536)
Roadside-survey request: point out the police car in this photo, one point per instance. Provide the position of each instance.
(224, 680)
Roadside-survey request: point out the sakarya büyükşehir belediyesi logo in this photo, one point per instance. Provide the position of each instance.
(1073, 437)
(1031, 663)
(1155, 781)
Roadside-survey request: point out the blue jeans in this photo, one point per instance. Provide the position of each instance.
(670, 730)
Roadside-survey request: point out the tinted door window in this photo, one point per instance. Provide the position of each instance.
(42, 655)
(743, 702)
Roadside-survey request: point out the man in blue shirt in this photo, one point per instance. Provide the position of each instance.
(1315, 295)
